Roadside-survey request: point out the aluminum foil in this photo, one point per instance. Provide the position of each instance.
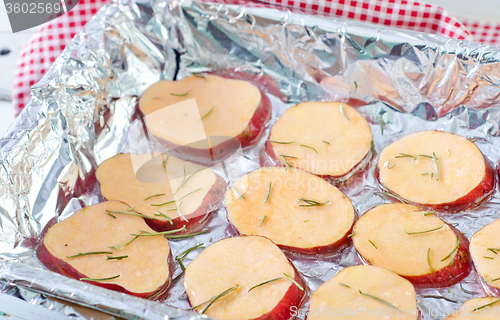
(84, 111)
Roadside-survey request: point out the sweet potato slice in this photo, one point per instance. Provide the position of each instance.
(151, 185)
(487, 308)
(329, 139)
(87, 247)
(364, 292)
(230, 113)
(412, 243)
(255, 269)
(298, 211)
(436, 169)
(484, 249)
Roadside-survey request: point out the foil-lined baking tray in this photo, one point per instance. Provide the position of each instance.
(84, 111)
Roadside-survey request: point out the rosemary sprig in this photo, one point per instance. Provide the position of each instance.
(350, 235)
(281, 142)
(467, 291)
(294, 282)
(116, 258)
(181, 94)
(263, 283)
(262, 222)
(436, 164)
(390, 195)
(311, 203)
(426, 231)
(182, 214)
(488, 257)
(238, 193)
(403, 155)
(185, 236)
(268, 192)
(217, 297)
(160, 214)
(429, 259)
(148, 234)
(389, 167)
(287, 164)
(185, 181)
(189, 194)
(486, 305)
(454, 250)
(102, 279)
(439, 297)
(156, 195)
(123, 245)
(130, 214)
(491, 280)
(112, 216)
(373, 244)
(209, 112)
(162, 204)
(89, 253)
(182, 183)
(344, 285)
(303, 145)
(181, 256)
(378, 299)
(342, 110)
(325, 142)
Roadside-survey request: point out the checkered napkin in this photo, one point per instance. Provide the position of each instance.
(49, 42)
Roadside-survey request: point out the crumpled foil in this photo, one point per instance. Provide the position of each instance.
(84, 111)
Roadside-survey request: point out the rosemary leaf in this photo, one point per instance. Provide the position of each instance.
(373, 244)
(467, 291)
(344, 285)
(381, 123)
(390, 195)
(429, 259)
(325, 142)
(109, 214)
(116, 258)
(189, 194)
(342, 110)
(89, 253)
(209, 112)
(182, 183)
(426, 231)
(262, 222)
(281, 142)
(294, 282)
(486, 305)
(162, 204)
(350, 235)
(123, 245)
(246, 157)
(155, 295)
(391, 167)
(429, 213)
(263, 283)
(436, 164)
(217, 297)
(181, 256)
(156, 195)
(455, 249)
(102, 279)
(160, 214)
(488, 257)
(438, 297)
(378, 299)
(303, 145)
(493, 250)
(159, 233)
(199, 75)
(306, 220)
(268, 192)
(355, 87)
(238, 193)
(185, 236)
(491, 280)
(131, 209)
(292, 157)
(130, 214)
(425, 174)
(181, 94)
(311, 203)
(287, 164)
(165, 161)
(403, 155)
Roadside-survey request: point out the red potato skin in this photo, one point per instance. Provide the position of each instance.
(59, 266)
(246, 139)
(473, 199)
(268, 158)
(199, 218)
(447, 276)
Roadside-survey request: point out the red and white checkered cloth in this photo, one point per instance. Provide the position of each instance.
(38, 55)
